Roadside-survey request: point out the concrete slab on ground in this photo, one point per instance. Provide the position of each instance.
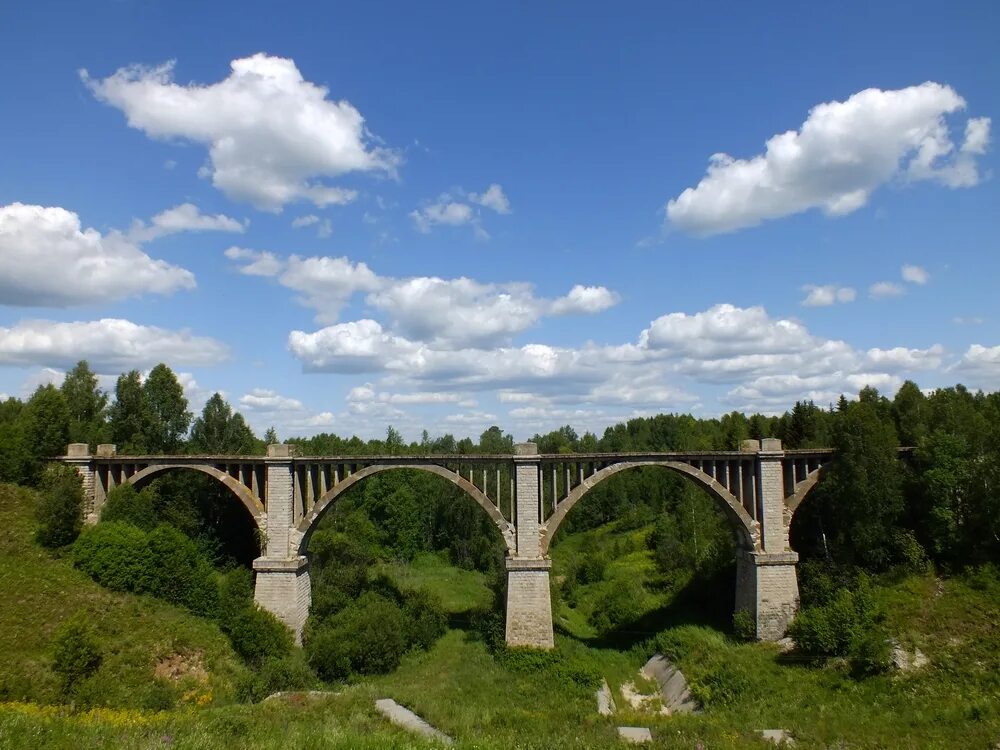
(404, 717)
(635, 735)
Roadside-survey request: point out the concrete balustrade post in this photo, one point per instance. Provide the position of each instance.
(766, 581)
(529, 603)
(282, 584)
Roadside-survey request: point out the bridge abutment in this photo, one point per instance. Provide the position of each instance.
(529, 601)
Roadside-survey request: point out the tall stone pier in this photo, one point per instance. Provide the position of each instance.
(766, 583)
(282, 583)
(529, 603)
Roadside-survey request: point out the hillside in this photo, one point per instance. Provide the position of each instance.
(153, 654)
(490, 701)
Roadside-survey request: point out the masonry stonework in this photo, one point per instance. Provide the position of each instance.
(767, 588)
(283, 588)
(529, 603)
(282, 584)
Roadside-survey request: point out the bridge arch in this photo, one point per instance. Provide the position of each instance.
(242, 492)
(793, 501)
(746, 530)
(310, 522)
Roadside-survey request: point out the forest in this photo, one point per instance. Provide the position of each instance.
(875, 516)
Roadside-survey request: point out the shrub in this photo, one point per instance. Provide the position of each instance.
(60, 510)
(116, 555)
(621, 604)
(128, 505)
(179, 573)
(591, 568)
(428, 620)
(744, 627)
(75, 653)
(257, 636)
(366, 637)
(289, 672)
(849, 625)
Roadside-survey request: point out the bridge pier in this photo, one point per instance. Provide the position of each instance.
(767, 588)
(766, 582)
(282, 584)
(529, 601)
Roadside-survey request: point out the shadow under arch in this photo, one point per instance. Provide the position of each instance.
(243, 494)
(793, 502)
(309, 524)
(746, 530)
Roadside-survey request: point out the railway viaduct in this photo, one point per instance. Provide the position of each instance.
(527, 496)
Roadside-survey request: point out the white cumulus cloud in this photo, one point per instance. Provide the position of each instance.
(186, 217)
(109, 344)
(885, 290)
(493, 198)
(915, 275)
(49, 260)
(839, 156)
(272, 136)
(826, 295)
(585, 299)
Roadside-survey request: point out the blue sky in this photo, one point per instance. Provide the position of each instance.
(446, 216)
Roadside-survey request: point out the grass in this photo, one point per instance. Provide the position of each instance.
(459, 590)
(39, 592)
(486, 702)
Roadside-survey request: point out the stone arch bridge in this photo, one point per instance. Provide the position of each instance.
(527, 495)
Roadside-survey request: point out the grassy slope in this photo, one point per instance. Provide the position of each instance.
(463, 690)
(40, 592)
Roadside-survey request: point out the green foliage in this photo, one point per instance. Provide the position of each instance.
(87, 405)
(291, 672)
(129, 416)
(116, 555)
(75, 653)
(567, 667)
(166, 406)
(622, 603)
(60, 507)
(849, 625)
(744, 627)
(127, 504)
(256, 635)
(178, 572)
(221, 431)
(369, 636)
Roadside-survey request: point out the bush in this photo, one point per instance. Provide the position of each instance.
(367, 637)
(623, 603)
(289, 672)
(126, 504)
(428, 620)
(60, 510)
(257, 636)
(849, 625)
(75, 653)
(179, 573)
(116, 555)
(744, 627)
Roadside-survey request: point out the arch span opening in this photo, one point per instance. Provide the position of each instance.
(310, 522)
(198, 500)
(746, 531)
